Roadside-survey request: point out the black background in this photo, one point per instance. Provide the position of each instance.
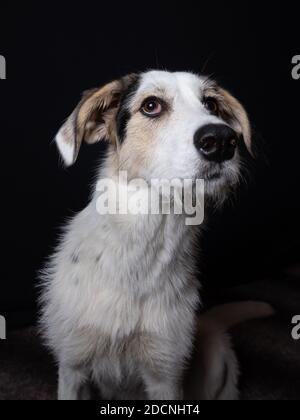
(54, 52)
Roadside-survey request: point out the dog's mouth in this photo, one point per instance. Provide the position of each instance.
(213, 176)
(213, 173)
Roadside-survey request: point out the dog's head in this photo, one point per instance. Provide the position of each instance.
(162, 125)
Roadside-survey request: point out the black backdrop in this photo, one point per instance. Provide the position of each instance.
(54, 52)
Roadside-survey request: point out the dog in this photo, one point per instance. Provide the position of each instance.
(120, 295)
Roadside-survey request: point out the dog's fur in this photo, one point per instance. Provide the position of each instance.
(120, 294)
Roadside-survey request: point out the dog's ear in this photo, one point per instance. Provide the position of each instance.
(93, 119)
(238, 117)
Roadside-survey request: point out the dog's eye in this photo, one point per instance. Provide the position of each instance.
(152, 107)
(212, 105)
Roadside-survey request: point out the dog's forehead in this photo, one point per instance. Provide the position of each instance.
(171, 83)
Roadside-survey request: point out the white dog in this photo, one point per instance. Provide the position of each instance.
(120, 294)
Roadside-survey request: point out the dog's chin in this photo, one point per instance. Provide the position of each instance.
(221, 180)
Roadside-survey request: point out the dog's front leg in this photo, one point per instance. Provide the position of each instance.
(162, 376)
(162, 386)
(72, 384)
(162, 365)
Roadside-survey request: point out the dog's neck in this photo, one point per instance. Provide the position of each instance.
(131, 225)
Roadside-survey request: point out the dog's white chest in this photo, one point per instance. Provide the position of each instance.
(115, 288)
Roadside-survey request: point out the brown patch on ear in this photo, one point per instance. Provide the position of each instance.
(238, 115)
(93, 119)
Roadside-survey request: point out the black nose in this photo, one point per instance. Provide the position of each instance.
(216, 142)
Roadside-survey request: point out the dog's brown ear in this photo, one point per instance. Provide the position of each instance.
(92, 120)
(238, 117)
